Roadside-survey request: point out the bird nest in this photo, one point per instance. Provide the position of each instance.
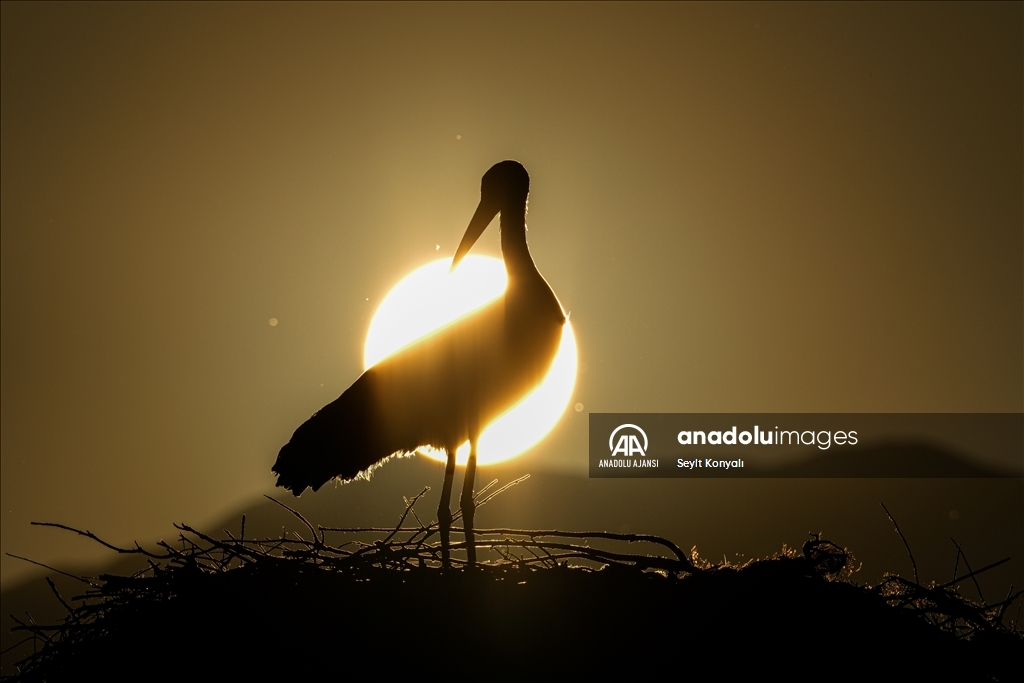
(363, 600)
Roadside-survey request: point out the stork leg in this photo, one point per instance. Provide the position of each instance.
(467, 504)
(444, 511)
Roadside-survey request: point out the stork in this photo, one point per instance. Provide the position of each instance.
(443, 389)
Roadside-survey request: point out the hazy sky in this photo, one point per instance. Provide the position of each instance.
(745, 207)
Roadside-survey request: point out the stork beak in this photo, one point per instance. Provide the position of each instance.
(485, 213)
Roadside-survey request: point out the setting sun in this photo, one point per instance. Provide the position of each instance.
(431, 297)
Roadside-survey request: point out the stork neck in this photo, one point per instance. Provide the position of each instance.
(514, 251)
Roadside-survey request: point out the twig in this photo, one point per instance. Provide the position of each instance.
(299, 515)
(137, 550)
(504, 488)
(52, 569)
(629, 538)
(484, 489)
(18, 644)
(1010, 597)
(1007, 602)
(905, 544)
(56, 592)
(967, 562)
(365, 529)
(973, 574)
(405, 514)
(956, 564)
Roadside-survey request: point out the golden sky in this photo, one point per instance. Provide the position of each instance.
(745, 207)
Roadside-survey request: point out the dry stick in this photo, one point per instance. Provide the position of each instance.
(196, 547)
(70, 610)
(405, 514)
(427, 531)
(175, 553)
(956, 565)
(653, 561)
(35, 628)
(297, 514)
(228, 555)
(1006, 603)
(945, 603)
(538, 557)
(504, 555)
(504, 488)
(53, 569)
(414, 515)
(534, 533)
(905, 544)
(507, 554)
(967, 562)
(184, 540)
(484, 490)
(630, 538)
(240, 550)
(369, 553)
(972, 574)
(137, 550)
(547, 561)
(18, 644)
(366, 529)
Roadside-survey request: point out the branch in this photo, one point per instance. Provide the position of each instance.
(56, 592)
(962, 554)
(630, 538)
(973, 574)
(137, 550)
(53, 569)
(405, 514)
(905, 544)
(504, 488)
(299, 515)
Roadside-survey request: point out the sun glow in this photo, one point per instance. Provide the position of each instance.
(431, 297)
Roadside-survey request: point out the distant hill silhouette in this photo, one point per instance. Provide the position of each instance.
(899, 460)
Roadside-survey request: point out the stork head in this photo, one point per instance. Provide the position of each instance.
(504, 187)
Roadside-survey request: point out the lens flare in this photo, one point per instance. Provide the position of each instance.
(431, 297)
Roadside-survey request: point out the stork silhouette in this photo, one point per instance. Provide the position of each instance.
(443, 389)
